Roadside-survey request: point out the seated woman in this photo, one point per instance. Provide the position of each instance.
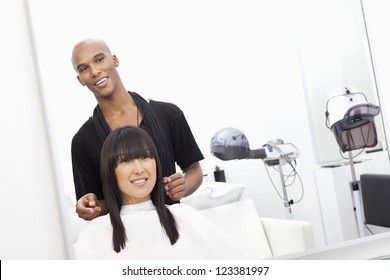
(139, 224)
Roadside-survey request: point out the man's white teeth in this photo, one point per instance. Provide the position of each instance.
(101, 81)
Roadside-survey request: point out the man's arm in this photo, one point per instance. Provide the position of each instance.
(85, 154)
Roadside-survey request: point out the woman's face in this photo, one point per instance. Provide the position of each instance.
(136, 179)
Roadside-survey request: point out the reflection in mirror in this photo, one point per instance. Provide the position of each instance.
(334, 52)
(241, 70)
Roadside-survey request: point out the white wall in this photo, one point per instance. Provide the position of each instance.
(377, 22)
(30, 220)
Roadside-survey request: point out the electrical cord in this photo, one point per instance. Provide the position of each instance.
(292, 175)
(354, 156)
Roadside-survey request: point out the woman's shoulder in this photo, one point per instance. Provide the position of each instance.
(182, 208)
(101, 223)
(185, 213)
(93, 235)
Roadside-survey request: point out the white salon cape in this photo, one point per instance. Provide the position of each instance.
(146, 239)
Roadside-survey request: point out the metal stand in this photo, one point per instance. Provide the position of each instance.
(356, 198)
(287, 204)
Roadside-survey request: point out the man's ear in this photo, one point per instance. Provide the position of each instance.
(80, 81)
(116, 60)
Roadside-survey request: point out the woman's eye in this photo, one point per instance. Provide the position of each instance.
(123, 160)
(146, 158)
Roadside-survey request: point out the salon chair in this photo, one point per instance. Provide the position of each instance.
(262, 237)
(375, 189)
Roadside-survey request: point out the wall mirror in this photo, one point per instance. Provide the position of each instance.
(247, 64)
(334, 51)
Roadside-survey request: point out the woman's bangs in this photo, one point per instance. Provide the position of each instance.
(128, 150)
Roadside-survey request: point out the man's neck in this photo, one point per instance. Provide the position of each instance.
(117, 103)
(120, 111)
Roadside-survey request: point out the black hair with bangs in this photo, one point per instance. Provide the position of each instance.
(124, 144)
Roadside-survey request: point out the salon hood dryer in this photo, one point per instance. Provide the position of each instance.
(231, 144)
(351, 119)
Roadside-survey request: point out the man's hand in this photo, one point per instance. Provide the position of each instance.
(178, 185)
(175, 186)
(88, 207)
